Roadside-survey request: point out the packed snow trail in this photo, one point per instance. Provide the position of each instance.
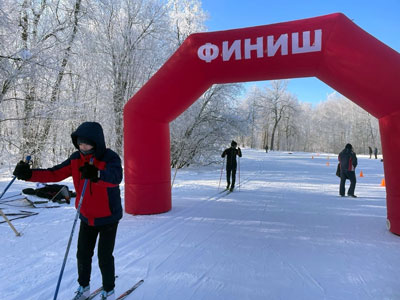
(285, 235)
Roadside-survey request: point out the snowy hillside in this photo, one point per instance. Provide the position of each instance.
(285, 234)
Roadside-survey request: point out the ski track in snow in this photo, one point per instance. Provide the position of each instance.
(285, 234)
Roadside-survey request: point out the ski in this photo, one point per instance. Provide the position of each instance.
(20, 217)
(3, 201)
(11, 196)
(127, 292)
(95, 293)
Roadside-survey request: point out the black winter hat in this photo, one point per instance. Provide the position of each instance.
(83, 140)
(349, 146)
(233, 143)
(93, 132)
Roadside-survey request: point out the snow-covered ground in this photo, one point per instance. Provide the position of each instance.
(285, 234)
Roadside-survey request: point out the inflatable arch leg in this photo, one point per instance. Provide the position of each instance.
(390, 133)
(151, 172)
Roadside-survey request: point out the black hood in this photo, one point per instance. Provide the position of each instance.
(91, 131)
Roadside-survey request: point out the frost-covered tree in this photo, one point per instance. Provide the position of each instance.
(185, 18)
(275, 116)
(252, 112)
(270, 114)
(38, 47)
(126, 37)
(280, 104)
(197, 135)
(340, 121)
(67, 61)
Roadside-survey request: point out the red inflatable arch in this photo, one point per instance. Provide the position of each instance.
(331, 48)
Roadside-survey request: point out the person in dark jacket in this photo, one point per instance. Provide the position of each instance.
(348, 163)
(231, 164)
(376, 153)
(370, 152)
(101, 208)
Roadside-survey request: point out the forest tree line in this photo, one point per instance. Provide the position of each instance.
(63, 62)
(277, 119)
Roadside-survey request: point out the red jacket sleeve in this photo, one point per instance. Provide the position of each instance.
(54, 174)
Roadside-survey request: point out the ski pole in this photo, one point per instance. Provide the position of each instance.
(27, 159)
(9, 223)
(71, 235)
(176, 171)
(220, 177)
(239, 173)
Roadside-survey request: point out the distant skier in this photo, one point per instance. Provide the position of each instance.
(370, 152)
(231, 164)
(101, 208)
(266, 148)
(348, 164)
(376, 153)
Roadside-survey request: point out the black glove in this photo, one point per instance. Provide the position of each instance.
(23, 171)
(89, 172)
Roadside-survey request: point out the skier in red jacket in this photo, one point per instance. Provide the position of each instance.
(348, 164)
(101, 208)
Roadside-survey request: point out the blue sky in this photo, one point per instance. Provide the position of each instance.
(379, 18)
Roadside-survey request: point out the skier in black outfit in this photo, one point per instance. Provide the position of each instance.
(348, 164)
(231, 164)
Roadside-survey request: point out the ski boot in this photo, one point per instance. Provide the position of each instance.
(107, 295)
(82, 293)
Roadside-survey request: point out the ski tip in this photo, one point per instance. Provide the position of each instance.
(129, 291)
(139, 282)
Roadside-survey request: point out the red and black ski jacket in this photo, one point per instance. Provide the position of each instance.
(102, 200)
(348, 160)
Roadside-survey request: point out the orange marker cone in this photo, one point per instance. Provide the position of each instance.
(312, 157)
(327, 163)
(361, 174)
(383, 183)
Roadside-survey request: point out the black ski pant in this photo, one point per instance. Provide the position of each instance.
(86, 244)
(229, 172)
(351, 175)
